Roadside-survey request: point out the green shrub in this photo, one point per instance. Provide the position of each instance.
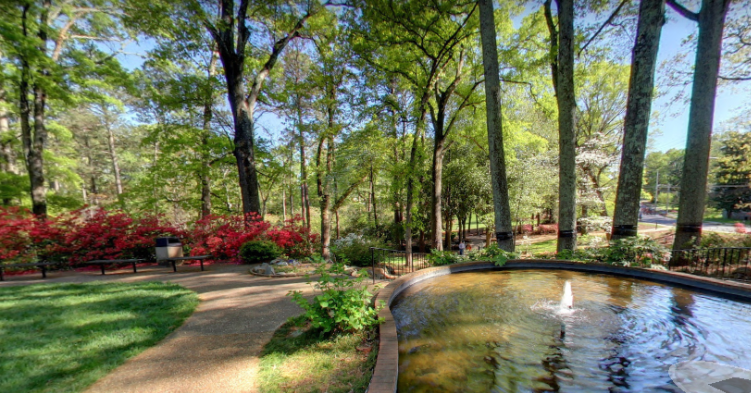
(343, 303)
(356, 249)
(440, 258)
(259, 251)
(492, 253)
(637, 251)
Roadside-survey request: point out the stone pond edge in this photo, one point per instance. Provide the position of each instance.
(386, 369)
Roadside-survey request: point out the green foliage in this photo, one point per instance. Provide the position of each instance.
(256, 251)
(734, 173)
(493, 253)
(356, 249)
(441, 258)
(631, 251)
(716, 240)
(343, 303)
(64, 337)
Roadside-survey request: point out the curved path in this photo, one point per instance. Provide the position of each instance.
(217, 348)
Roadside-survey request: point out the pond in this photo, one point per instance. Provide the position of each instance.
(512, 331)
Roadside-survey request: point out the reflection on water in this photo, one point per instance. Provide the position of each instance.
(501, 332)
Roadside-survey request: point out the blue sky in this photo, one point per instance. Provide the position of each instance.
(670, 131)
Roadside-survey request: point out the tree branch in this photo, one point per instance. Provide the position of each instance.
(279, 46)
(340, 201)
(685, 12)
(607, 21)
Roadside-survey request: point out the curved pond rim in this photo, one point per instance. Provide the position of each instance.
(386, 371)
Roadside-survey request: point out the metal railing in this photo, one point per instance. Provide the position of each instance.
(395, 263)
(723, 263)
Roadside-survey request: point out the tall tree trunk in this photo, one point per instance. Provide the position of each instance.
(115, 162)
(638, 111)
(208, 114)
(566, 127)
(34, 144)
(411, 187)
(284, 202)
(504, 234)
(373, 196)
(693, 193)
(232, 52)
(7, 158)
(437, 197)
(324, 194)
(304, 197)
(336, 214)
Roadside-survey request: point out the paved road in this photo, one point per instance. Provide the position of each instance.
(707, 226)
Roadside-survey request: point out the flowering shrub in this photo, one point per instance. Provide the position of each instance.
(94, 233)
(547, 228)
(101, 234)
(15, 228)
(222, 236)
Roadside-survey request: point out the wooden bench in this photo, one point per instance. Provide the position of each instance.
(41, 265)
(195, 258)
(103, 262)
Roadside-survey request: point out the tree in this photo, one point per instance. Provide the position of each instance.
(733, 177)
(638, 110)
(562, 69)
(232, 52)
(387, 32)
(503, 231)
(693, 194)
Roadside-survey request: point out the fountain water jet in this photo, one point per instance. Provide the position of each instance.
(567, 301)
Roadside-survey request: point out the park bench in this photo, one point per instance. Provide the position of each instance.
(41, 265)
(103, 262)
(174, 260)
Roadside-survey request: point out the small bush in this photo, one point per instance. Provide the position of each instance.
(494, 254)
(343, 303)
(441, 258)
(637, 251)
(259, 251)
(355, 248)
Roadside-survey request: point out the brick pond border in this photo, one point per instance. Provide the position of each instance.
(386, 370)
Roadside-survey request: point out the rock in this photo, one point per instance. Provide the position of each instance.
(282, 263)
(267, 269)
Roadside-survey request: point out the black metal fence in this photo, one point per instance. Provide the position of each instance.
(394, 263)
(724, 263)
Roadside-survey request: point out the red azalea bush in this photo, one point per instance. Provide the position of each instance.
(547, 228)
(100, 234)
(222, 236)
(94, 233)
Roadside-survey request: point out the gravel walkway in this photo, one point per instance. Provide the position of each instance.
(217, 348)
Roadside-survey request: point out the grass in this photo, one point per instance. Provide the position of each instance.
(715, 215)
(300, 360)
(64, 337)
(540, 247)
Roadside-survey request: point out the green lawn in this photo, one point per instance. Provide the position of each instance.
(715, 215)
(304, 361)
(63, 337)
(535, 248)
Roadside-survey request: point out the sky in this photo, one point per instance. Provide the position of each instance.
(670, 131)
(667, 132)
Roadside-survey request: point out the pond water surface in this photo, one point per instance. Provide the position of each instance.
(504, 331)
